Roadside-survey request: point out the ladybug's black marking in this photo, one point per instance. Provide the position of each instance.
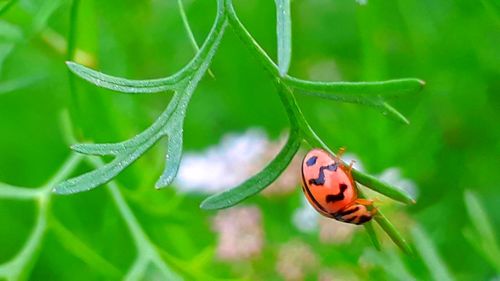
(349, 211)
(316, 203)
(339, 196)
(363, 219)
(349, 219)
(321, 177)
(311, 161)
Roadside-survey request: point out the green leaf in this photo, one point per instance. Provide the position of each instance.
(357, 92)
(259, 181)
(169, 123)
(391, 262)
(6, 6)
(105, 174)
(393, 233)
(430, 256)
(189, 31)
(373, 235)
(43, 13)
(366, 93)
(386, 189)
(101, 148)
(173, 159)
(479, 217)
(483, 237)
(393, 113)
(17, 84)
(121, 84)
(284, 35)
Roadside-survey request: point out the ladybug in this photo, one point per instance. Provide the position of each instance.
(329, 187)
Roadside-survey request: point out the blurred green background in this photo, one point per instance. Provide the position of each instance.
(452, 144)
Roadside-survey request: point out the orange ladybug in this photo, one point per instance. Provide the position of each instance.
(329, 187)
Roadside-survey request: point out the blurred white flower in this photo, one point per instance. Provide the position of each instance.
(393, 176)
(306, 217)
(295, 260)
(240, 233)
(351, 157)
(235, 159)
(362, 2)
(224, 165)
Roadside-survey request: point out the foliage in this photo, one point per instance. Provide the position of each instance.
(371, 42)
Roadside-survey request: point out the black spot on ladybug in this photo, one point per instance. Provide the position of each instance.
(311, 161)
(306, 189)
(337, 197)
(321, 177)
(363, 219)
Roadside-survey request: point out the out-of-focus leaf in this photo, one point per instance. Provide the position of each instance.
(17, 84)
(483, 237)
(43, 13)
(391, 263)
(429, 255)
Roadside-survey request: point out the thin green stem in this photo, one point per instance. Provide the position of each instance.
(74, 105)
(19, 267)
(147, 250)
(79, 249)
(189, 31)
(249, 41)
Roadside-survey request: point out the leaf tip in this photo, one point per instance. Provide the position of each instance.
(207, 204)
(70, 64)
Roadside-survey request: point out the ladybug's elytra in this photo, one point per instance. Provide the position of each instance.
(331, 190)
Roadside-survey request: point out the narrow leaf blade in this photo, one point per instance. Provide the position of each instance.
(173, 159)
(393, 113)
(105, 173)
(479, 217)
(384, 188)
(256, 183)
(121, 84)
(99, 148)
(284, 35)
(430, 255)
(358, 92)
(393, 233)
(373, 235)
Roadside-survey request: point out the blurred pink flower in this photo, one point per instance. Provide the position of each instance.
(295, 260)
(240, 233)
(335, 232)
(327, 274)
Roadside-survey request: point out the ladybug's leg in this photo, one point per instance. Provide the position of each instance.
(351, 165)
(362, 201)
(341, 152)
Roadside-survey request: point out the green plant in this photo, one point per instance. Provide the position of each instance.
(481, 235)
(183, 83)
